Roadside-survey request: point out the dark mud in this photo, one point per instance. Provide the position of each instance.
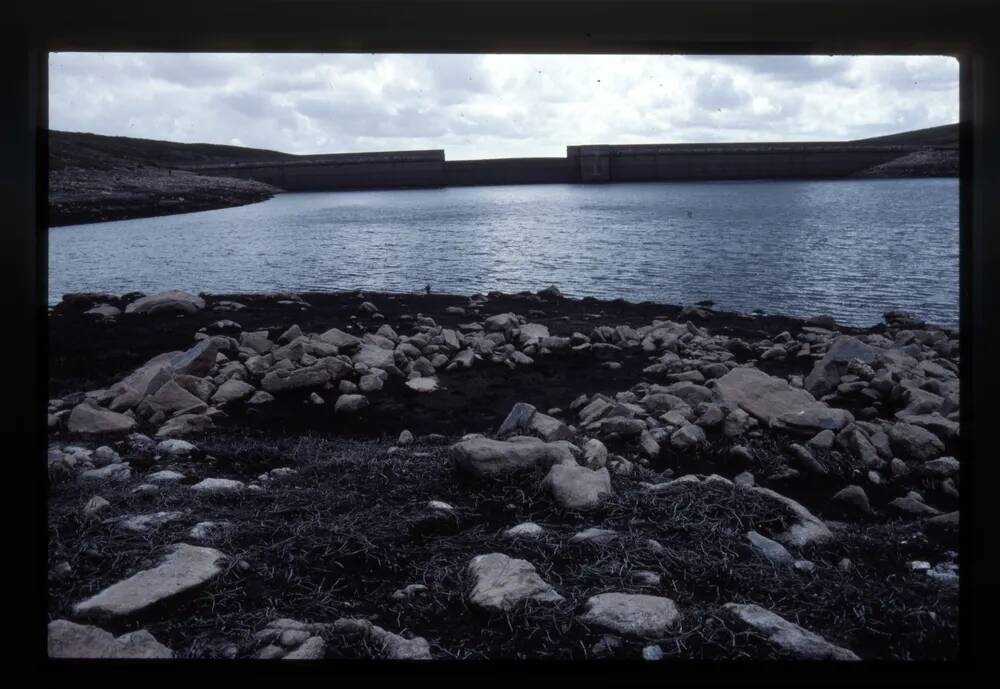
(350, 528)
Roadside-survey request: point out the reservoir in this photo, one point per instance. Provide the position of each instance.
(850, 248)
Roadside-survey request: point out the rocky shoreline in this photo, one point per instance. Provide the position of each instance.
(398, 476)
(85, 195)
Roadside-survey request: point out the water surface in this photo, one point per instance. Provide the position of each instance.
(849, 248)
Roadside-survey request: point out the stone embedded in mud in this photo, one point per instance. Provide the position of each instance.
(423, 384)
(806, 530)
(147, 522)
(70, 640)
(815, 418)
(185, 568)
(631, 614)
(171, 301)
(218, 485)
(524, 530)
(789, 637)
(312, 648)
(118, 472)
(165, 477)
(90, 419)
(576, 487)
(503, 582)
(595, 535)
(390, 646)
(487, 457)
(772, 550)
(350, 404)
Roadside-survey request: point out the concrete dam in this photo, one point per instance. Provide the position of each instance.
(591, 164)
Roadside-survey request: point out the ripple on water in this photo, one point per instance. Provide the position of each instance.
(850, 248)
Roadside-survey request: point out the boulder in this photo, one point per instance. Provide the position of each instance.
(502, 582)
(172, 301)
(172, 398)
(184, 568)
(70, 640)
(487, 457)
(595, 454)
(232, 390)
(374, 356)
(576, 487)
(687, 436)
(914, 442)
(790, 638)
(300, 379)
(341, 340)
(350, 404)
(185, 424)
(826, 372)
(631, 614)
(772, 550)
(90, 419)
(776, 403)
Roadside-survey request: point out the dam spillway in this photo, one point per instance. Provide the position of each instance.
(587, 164)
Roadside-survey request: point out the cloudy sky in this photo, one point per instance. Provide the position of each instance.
(481, 106)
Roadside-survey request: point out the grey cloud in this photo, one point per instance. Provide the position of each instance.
(786, 68)
(717, 91)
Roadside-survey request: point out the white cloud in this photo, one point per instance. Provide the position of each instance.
(477, 106)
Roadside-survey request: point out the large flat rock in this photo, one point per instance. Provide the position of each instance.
(172, 301)
(185, 568)
(776, 403)
(788, 636)
(70, 640)
(89, 419)
(631, 614)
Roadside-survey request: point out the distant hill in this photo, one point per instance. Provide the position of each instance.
(94, 151)
(943, 136)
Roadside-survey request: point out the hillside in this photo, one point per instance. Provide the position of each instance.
(944, 136)
(95, 178)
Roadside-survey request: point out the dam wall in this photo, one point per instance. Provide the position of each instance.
(724, 161)
(458, 173)
(582, 164)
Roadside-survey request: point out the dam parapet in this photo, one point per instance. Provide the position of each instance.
(586, 164)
